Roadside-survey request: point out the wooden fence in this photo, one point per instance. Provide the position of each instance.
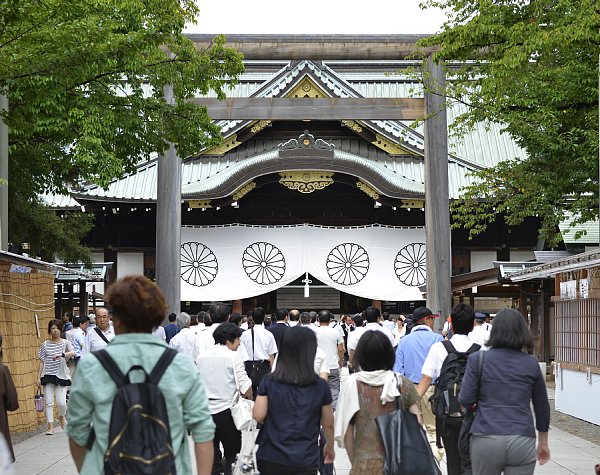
(577, 333)
(22, 298)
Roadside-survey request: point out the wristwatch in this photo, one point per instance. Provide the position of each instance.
(63, 355)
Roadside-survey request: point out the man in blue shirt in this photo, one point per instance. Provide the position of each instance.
(410, 356)
(171, 329)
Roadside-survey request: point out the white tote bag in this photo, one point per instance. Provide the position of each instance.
(241, 409)
(241, 412)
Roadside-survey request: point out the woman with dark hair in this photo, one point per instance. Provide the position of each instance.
(222, 369)
(366, 394)
(503, 434)
(293, 402)
(137, 306)
(9, 401)
(54, 374)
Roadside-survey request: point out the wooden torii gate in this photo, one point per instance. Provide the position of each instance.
(329, 47)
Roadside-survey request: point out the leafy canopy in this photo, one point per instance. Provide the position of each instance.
(533, 67)
(85, 81)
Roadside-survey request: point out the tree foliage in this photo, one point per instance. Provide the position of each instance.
(85, 82)
(533, 67)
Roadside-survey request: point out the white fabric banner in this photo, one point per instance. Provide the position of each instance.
(238, 261)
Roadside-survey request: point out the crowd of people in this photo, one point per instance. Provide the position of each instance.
(289, 364)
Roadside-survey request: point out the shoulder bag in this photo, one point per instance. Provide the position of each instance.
(241, 408)
(101, 335)
(63, 369)
(405, 443)
(464, 438)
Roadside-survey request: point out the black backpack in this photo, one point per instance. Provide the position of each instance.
(444, 402)
(139, 438)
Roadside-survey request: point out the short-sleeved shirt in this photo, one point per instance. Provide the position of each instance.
(354, 337)
(291, 429)
(94, 341)
(328, 339)
(264, 343)
(48, 350)
(412, 351)
(437, 354)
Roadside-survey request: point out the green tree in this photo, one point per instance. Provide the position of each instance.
(533, 67)
(85, 84)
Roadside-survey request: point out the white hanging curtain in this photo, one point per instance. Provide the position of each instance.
(237, 261)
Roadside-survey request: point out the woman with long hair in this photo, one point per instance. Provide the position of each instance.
(366, 394)
(293, 402)
(503, 435)
(54, 374)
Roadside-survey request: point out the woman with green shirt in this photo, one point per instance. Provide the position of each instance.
(137, 307)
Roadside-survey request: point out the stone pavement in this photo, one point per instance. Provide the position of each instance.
(49, 455)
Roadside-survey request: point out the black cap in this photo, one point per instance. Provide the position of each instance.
(422, 312)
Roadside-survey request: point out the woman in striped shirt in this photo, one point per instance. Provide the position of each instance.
(53, 373)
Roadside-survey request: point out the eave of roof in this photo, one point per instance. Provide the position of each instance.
(46, 266)
(226, 182)
(579, 261)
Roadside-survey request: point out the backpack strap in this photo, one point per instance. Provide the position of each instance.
(162, 364)
(474, 347)
(449, 346)
(110, 367)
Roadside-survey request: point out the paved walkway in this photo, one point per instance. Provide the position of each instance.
(49, 455)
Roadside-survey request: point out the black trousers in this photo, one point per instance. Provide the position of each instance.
(450, 433)
(271, 468)
(227, 434)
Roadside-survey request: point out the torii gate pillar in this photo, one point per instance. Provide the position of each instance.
(437, 202)
(168, 223)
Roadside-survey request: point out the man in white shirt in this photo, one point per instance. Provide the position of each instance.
(79, 337)
(372, 316)
(305, 321)
(387, 323)
(219, 313)
(260, 347)
(185, 340)
(69, 334)
(159, 332)
(102, 333)
(481, 331)
(462, 317)
(330, 341)
(293, 318)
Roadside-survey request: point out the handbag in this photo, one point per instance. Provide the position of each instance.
(241, 408)
(63, 369)
(241, 412)
(464, 438)
(246, 460)
(38, 400)
(405, 443)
